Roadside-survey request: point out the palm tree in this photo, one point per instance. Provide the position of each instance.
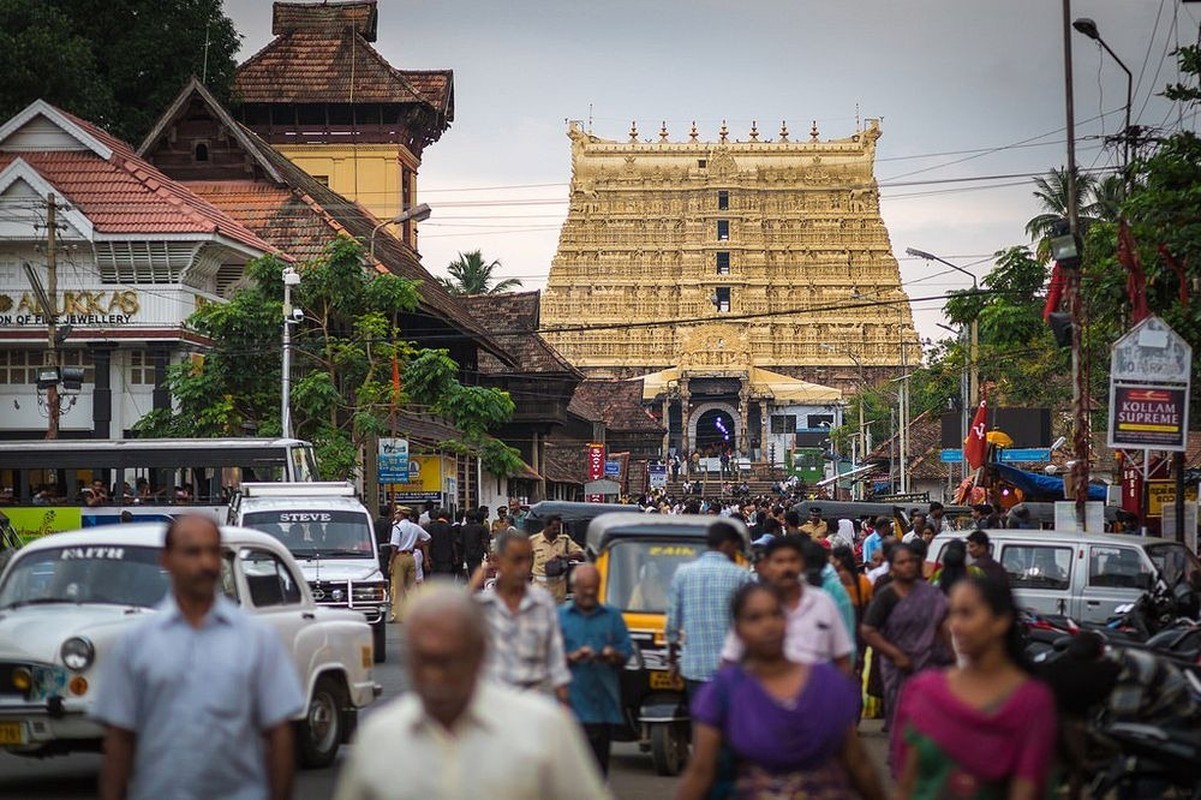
(1108, 196)
(470, 275)
(1052, 194)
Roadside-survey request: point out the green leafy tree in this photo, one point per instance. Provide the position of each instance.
(342, 359)
(469, 274)
(115, 62)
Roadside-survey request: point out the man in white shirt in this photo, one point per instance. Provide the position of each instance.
(408, 541)
(816, 632)
(457, 736)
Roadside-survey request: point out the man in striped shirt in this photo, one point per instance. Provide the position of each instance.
(698, 604)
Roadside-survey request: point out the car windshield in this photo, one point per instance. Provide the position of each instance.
(640, 572)
(310, 534)
(1176, 563)
(96, 573)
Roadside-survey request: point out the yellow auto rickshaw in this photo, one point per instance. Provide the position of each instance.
(637, 554)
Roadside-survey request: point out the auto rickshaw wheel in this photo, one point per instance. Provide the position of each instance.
(669, 748)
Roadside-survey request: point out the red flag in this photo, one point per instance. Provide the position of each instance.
(1136, 279)
(975, 447)
(1178, 268)
(1054, 291)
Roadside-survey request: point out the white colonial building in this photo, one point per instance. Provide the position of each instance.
(136, 254)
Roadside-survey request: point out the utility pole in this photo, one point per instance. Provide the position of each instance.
(1080, 431)
(51, 313)
(291, 278)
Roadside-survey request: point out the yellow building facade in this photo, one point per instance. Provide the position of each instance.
(749, 281)
(782, 239)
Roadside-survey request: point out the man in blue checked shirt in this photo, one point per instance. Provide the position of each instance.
(698, 604)
(598, 645)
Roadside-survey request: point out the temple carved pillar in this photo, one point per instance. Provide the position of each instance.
(666, 424)
(744, 411)
(685, 402)
(764, 431)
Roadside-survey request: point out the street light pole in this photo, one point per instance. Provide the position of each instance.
(418, 213)
(1089, 28)
(291, 278)
(974, 329)
(861, 439)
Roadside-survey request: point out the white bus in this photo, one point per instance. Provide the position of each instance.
(66, 484)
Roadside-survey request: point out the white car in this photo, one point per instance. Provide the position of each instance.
(66, 598)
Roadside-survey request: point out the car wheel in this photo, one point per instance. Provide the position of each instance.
(379, 640)
(320, 735)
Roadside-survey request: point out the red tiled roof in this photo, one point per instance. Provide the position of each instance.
(512, 320)
(126, 194)
(300, 215)
(618, 404)
(329, 17)
(565, 462)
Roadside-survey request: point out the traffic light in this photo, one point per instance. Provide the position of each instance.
(72, 378)
(1061, 327)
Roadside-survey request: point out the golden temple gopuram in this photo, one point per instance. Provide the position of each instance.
(777, 241)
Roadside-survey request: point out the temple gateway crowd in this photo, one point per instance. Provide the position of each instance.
(783, 650)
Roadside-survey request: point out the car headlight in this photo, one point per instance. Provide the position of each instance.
(77, 653)
(369, 594)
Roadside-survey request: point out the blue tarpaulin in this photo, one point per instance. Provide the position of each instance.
(1041, 487)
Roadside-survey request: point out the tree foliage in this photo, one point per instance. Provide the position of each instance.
(469, 274)
(118, 63)
(343, 355)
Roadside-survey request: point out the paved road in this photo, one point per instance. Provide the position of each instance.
(74, 777)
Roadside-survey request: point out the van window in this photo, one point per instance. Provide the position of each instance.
(1117, 567)
(1175, 563)
(1037, 566)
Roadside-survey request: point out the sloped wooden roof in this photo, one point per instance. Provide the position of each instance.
(322, 53)
(616, 403)
(511, 318)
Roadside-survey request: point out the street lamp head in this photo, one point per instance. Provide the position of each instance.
(418, 213)
(1088, 28)
(291, 277)
(913, 251)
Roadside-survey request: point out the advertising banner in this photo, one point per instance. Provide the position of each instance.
(426, 474)
(596, 462)
(1149, 417)
(1149, 375)
(393, 460)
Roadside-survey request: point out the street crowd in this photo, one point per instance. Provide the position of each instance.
(516, 687)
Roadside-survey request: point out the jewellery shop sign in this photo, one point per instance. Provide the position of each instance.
(74, 308)
(1149, 382)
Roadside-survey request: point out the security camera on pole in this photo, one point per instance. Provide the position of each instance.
(291, 317)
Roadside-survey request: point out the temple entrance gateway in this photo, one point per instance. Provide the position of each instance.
(716, 432)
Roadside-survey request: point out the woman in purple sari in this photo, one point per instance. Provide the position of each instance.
(791, 727)
(905, 626)
(982, 731)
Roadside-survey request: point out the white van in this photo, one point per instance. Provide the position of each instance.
(1083, 575)
(331, 535)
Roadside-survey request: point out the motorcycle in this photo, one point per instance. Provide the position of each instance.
(1151, 759)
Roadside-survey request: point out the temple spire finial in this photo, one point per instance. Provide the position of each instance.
(813, 134)
(663, 131)
(754, 131)
(724, 133)
(783, 131)
(633, 131)
(693, 136)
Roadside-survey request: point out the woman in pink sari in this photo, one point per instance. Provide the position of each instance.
(982, 731)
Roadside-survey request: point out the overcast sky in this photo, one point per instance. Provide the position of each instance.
(945, 76)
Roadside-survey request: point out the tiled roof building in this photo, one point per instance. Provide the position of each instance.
(137, 253)
(256, 185)
(327, 99)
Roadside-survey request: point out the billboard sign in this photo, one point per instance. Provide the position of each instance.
(393, 460)
(596, 462)
(1150, 372)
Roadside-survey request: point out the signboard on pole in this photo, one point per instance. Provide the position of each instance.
(658, 475)
(612, 469)
(424, 480)
(393, 460)
(596, 462)
(1025, 455)
(1150, 371)
(1161, 494)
